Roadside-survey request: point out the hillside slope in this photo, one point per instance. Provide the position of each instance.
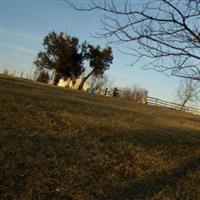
(67, 145)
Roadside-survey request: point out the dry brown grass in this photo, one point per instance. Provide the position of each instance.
(62, 144)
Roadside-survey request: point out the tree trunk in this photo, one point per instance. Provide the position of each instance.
(183, 104)
(73, 78)
(56, 78)
(84, 79)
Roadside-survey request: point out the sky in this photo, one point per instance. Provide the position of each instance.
(24, 23)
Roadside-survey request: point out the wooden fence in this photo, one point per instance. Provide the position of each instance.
(159, 102)
(155, 102)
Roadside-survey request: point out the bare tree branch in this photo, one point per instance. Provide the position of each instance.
(188, 91)
(163, 32)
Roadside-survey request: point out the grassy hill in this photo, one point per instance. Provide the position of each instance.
(61, 144)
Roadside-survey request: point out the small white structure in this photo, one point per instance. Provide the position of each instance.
(68, 83)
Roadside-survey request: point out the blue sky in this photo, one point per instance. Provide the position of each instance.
(24, 23)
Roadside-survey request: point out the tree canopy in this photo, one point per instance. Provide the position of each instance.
(159, 34)
(99, 61)
(64, 55)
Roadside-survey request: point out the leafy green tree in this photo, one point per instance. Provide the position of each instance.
(66, 57)
(62, 54)
(99, 61)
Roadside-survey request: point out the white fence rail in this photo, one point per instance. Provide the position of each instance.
(159, 102)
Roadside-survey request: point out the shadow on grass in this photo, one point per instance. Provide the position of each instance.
(146, 188)
(34, 167)
(150, 138)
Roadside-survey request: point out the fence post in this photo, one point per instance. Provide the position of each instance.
(156, 101)
(115, 92)
(106, 90)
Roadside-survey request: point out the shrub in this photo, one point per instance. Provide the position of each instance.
(43, 76)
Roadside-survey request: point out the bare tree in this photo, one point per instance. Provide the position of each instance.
(136, 94)
(163, 34)
(128, 93)
(97, 83)
(100, 84)
(188, 91)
